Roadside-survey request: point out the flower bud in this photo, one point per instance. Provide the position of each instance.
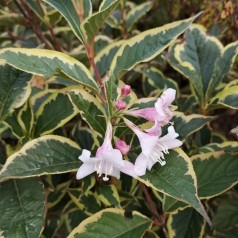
(125, 90)
(122, 146)
(120, 105)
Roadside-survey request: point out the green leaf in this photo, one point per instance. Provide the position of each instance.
(47, 63)
(227, 146)
(22, 208)
(228, 97)
(185, 125)
(171, 205)
(91, 25)
(136, 13)
(36, 9)
(142, 48)
(222, 66)
(14, 89)
(108, 195)
(45, 155)
(176, 179)
(53, 113)
(195, 58)
(112, 223)
(67, 9)
(90, 109)
(216, 172)
(26, 118)
(104, 58)
(100, 42)
(13, 123)
(156, 80)
(185, 224)
(226, 215)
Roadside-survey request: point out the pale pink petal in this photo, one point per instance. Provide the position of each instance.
(107, 144)
(85, 156)
(168, 96)
(113, 156)
(141, 164)
(155, 129)
(128, 168)
(85, 170)
(148, 113)
(147, 141)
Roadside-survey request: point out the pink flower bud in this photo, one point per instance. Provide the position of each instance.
(125, 90)
(120, 105)
(122, 146)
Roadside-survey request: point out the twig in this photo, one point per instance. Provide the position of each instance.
(158, 218)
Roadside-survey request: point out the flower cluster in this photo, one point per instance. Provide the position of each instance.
(109, 161)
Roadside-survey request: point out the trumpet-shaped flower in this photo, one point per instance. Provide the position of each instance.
(153, 147)
(160, 113)
(108, 161)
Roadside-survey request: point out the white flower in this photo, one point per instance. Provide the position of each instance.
(108, 161)
(153, 147)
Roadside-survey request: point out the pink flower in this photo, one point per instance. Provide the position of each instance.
(160, 113)
(108, 161)
(125, 90)
(120, 105)
(122, 146)
(153, 147)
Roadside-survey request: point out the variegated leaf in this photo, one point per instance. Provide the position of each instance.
(119, 225)
(176, 179)
(14, 89)
(47, 63)
(53, 113)
(216, 172)
(185, 125)
(186, 223)
(91, 25)
(45, 155)
(136, 13)
(142, 48)
(90, 109)
(67, 9)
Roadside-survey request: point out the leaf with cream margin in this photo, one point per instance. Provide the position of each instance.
(216, 172)
(176, 179)
(22, 208)
(67, 9)
(185, 125)
(53, 113)
(136, 13)
(48, 63)
(91, 25)
(15, 88)
(186, 223)
(112, 223)
(228, 97)
(143, 48)
(90, 109)
(49, 154)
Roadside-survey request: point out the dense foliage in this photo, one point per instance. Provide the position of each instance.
(118, 118)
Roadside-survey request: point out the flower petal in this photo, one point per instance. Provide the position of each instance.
(141, 164)
(148, 113)
(84, 157)
(129, 169)
(85, 170)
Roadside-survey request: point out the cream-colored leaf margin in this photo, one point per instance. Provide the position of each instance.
(50, 54)
(93, 219)
(172, 232)
(190, 172)
(48, 100)
(32, 144)
(136, 39)
(207, 156)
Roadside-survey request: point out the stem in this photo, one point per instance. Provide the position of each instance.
(158, 218)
